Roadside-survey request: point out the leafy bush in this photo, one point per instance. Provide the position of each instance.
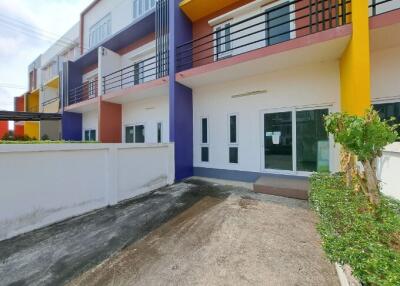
(368, 241)
(363, 139)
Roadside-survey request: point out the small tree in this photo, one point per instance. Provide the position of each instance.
(362, 139)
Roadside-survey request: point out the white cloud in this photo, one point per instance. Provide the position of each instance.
(19, 46)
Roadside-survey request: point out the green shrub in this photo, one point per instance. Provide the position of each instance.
(353, 234)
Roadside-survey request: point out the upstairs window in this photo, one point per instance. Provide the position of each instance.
(141, 7)
(223, 41)
(99, 31)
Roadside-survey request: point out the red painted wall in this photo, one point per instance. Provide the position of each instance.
(3, 128)
(110, 122)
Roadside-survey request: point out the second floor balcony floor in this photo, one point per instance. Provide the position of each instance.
(262, 23)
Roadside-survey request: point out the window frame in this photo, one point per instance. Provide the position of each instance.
(134, 132)
(141, 4)
(160, 136)
(236, 143)
(90, 130)
(207, 143)
(95, 31)
(220, 55)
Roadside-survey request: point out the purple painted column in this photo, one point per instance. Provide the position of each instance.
(71, 122)
(180, 97)
(72, 126)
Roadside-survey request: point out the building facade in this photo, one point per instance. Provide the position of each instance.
(45, 87)
(239, 86)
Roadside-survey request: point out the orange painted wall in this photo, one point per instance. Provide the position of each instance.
(3, 128)
(110, 122)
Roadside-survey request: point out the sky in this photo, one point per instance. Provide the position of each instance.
(27, 29)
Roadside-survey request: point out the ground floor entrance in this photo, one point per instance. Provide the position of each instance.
(295, 141)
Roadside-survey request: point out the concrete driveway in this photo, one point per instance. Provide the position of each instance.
(192, 233)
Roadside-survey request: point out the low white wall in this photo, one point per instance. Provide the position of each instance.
(388, 171)
(43, 184)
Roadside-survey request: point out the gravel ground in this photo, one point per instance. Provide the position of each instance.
(238, 238)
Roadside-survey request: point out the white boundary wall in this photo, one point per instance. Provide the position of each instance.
(43, 184)
(388, 171)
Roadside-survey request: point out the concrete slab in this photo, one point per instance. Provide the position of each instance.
(193, 233)
(285, 186)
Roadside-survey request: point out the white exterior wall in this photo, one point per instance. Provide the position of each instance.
(385, 70)
(313, 85)
(148, 112)
(90, 120)
(388, 171)
(65, 43)
(76, 178)
(109, 62)
(121, 16)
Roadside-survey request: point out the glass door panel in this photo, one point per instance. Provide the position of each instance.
(278, 149)
(312, 141)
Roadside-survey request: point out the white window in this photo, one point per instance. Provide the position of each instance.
(233, 143)
(135, 134)
(223, 43)
(99, 31)
(90, 135)
(159, 132)
(204, 146)
(141, 7)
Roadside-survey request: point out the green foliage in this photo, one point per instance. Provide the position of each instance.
(364, 136)
(352, 234)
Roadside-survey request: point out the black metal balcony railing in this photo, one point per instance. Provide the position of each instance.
(378, 7)
(87, 90)
(140, 72)
(50, 101)
(277, 24)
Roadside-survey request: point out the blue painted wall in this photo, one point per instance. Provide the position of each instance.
(180, 97)
(71, 122)
(72, 126)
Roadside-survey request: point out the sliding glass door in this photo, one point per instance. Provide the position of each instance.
(278, 151)
(295, 141)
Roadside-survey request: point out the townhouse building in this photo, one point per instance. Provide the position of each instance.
(239, 86)
(45, 87)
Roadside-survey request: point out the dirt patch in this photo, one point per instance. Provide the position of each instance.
(232, 241)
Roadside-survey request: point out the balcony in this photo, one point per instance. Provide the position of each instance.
(86, 92)
(300, 31)
(142, 79)
(384, 23)
(378, 7)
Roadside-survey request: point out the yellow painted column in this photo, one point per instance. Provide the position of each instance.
(32, 129)
(355, 63)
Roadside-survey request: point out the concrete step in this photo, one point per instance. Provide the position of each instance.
(284, 186)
